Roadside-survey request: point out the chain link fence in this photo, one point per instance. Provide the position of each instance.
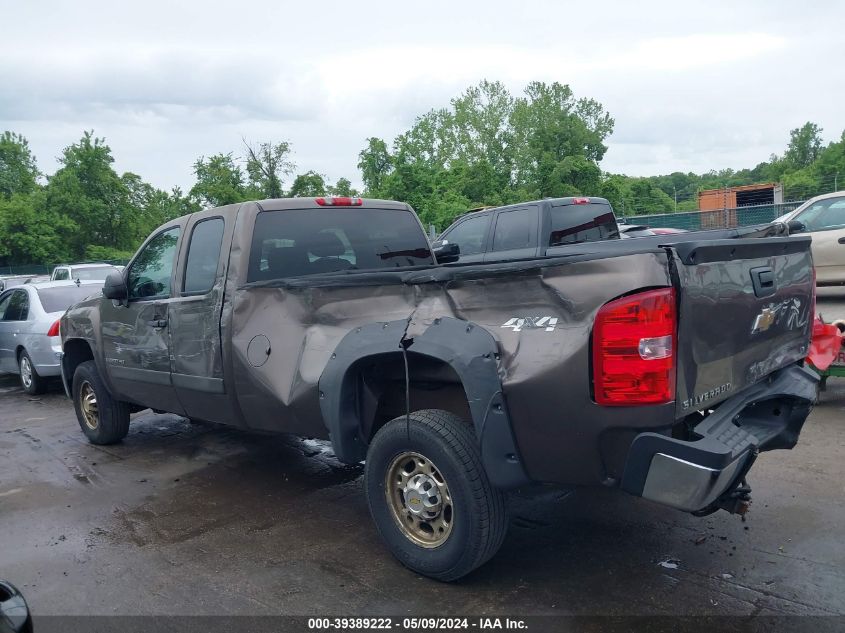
(718, 219)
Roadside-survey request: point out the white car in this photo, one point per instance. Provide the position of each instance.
(82, 272)
(29, 328)
(823, 217)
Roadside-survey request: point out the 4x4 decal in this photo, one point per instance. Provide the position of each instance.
(518, 324)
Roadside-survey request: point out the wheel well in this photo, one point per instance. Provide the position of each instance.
(76, 351)
(18, 351)
(380, 380)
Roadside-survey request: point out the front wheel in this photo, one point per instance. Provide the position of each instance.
(430, 497)
(102, 418)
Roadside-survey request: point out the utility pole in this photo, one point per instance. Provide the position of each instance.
(675, 191)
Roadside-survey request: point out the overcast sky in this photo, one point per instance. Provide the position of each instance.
(692, 86)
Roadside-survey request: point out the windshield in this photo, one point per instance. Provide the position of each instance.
(61, 298)
(823, 215)
(299, 242)
(94, 273)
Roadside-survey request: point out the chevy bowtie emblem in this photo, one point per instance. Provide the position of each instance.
(763, 321)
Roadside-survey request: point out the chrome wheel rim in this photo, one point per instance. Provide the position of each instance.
(26, 372)
(88, 406)
(419, 499)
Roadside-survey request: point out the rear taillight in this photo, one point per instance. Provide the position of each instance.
(634, 347)
(580, 201)
(54, 329)
(339, 202)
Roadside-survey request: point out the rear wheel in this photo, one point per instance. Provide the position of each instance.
(430, 497)
(31, 382)
(102, 418)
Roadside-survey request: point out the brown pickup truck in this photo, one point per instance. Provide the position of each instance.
(661, 366)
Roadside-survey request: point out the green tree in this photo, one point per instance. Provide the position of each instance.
(375, 164)
(489, 147)
(32, 233)
(219, 181)
(343, 187)
(266, 165)
(18, 171)
(550, 125)
(88, 192)
(308, 184)
(805, 145)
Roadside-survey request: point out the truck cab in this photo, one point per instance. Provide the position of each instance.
(529, 229)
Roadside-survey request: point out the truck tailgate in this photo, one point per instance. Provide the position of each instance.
(745, 310)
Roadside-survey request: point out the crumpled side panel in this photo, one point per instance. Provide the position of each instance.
(540, 320)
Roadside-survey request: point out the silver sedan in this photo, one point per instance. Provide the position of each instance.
(29, 328)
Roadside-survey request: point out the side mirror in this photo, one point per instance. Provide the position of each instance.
(115, 288)
(14, 612)
(796, 226)
(445, 252)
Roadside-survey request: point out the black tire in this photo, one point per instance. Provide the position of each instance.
(31, 382)
(477, 510)
(112, 416)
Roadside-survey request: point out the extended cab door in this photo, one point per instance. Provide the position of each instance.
(195, 316)
(514, 234)
(136, 333)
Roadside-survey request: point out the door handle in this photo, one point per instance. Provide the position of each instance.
(842, 240)
(763, 280)
(157, 323)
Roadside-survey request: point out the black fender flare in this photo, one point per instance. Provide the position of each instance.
(473, 354)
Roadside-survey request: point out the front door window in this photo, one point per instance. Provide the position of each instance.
(150, 274)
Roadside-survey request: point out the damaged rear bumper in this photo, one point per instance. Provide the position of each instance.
(697, 475)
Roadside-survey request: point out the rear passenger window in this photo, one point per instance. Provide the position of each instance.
(299, 242)
(18, 307)
(203, 256)
(515, 229)
(4, 303)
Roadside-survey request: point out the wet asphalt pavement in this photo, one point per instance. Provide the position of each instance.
(189, 519)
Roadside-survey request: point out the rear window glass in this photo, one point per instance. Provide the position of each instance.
(93, 274)
(300, 242)
(61, 298)
(576, 223)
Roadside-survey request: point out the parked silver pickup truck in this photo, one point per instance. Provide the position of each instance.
(661, 366)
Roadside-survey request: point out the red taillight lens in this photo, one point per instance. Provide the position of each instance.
(54, 329)
(580, 201)
(634, 341)
(339, 202)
